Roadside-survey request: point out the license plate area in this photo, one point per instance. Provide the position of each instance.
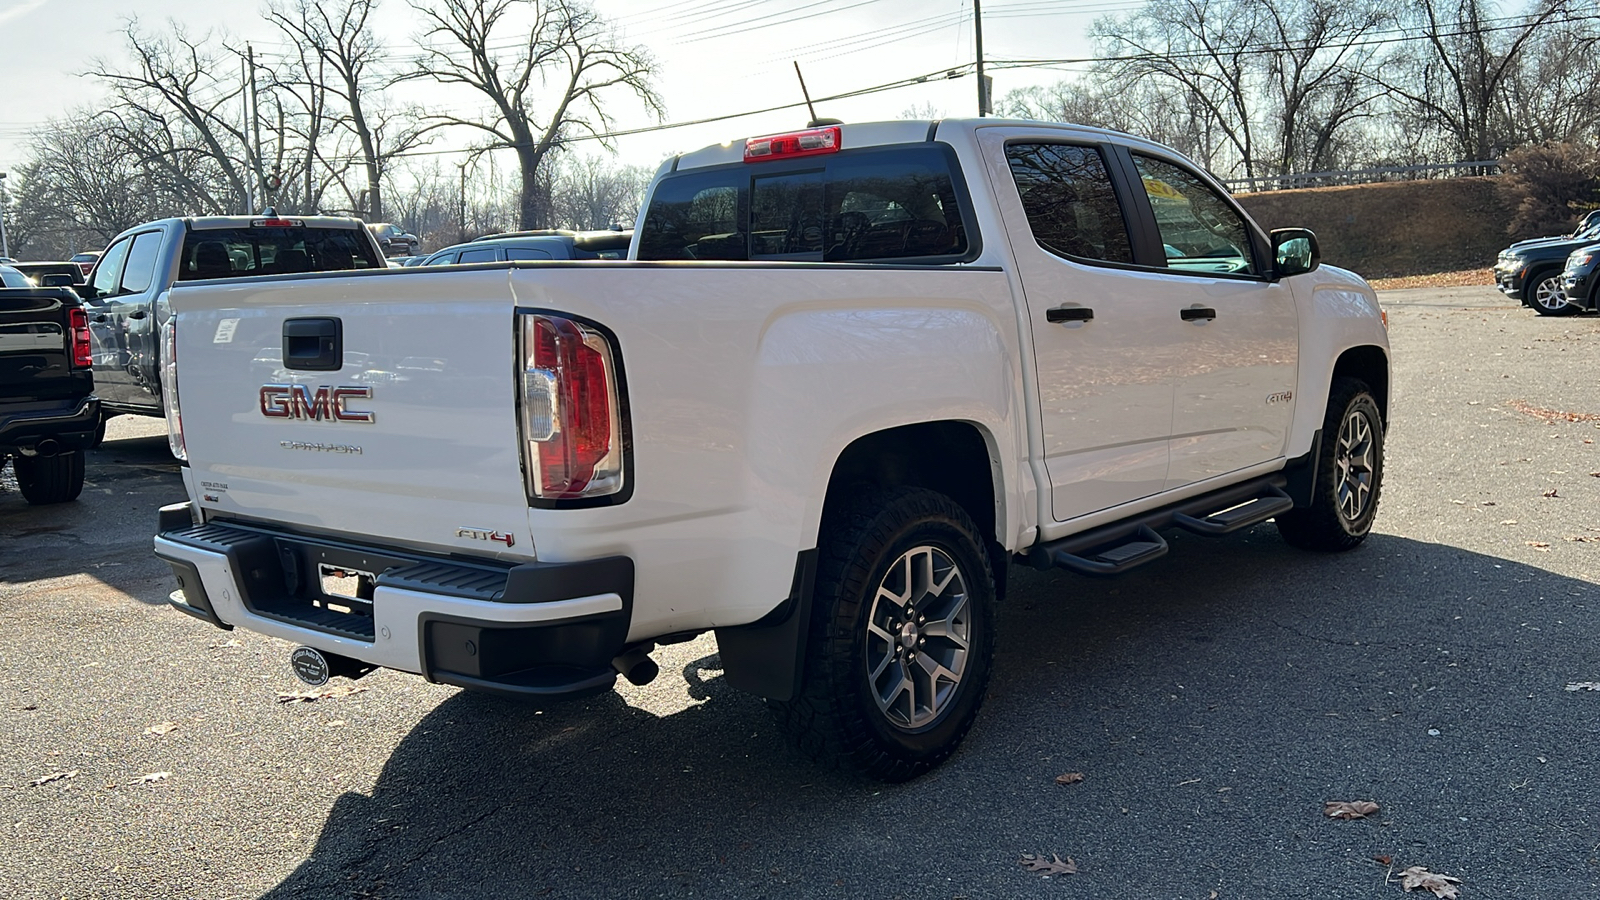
(344, 589)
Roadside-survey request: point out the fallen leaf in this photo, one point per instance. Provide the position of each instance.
(1508, 521)
(1583, 539)
(314, 696)
(336, 723)
(1055, 865)
(1418, 878)
(1069, 778)
(163, 728)
(1349, 809)
(152, 778)
(1550, 493)
(54, 776)
(1383, 860)
(1583, 686)
(1538, 545)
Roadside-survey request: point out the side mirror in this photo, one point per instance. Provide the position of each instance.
(87, 292)
(1294, 252)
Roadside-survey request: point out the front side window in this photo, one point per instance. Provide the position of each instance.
(482, 254)
(109, 272)
(1200, 232)
(140, 270)
(1070, 202)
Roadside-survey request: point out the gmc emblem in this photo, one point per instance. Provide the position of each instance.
(326, 404)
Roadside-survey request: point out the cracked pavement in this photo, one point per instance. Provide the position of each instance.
(1214, 700)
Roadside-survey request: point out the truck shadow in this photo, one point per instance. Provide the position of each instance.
(1213, 703)
(106, 532)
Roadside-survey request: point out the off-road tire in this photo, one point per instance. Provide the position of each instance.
(1543, 292)
(837, 718)
(50, 479)
(1349, 474)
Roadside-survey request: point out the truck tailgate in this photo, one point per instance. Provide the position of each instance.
(412, 437)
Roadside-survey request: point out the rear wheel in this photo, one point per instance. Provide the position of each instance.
(1349, 473)
(901, 637)
(1546, 297)
(50, 479)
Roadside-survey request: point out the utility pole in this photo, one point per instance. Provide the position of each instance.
(255, 123)
(5, 244)
(461, 220)
(983, 83)
(245, 79)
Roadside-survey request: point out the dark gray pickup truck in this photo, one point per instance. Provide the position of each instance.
(48, 412)
(126, 292)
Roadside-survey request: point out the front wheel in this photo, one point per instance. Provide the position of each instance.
(1349, 473)
(901, 639)
(50, 479)
(1546, 296)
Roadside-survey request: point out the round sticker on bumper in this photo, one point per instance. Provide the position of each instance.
(309, 665)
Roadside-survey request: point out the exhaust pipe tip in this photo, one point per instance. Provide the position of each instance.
(637, 666)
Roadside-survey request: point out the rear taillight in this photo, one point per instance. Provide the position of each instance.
(169, 389)
(571, 422)
(82, 355)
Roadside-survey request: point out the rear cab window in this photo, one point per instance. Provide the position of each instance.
(901, 203)
(234, 252)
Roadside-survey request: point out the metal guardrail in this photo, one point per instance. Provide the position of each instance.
(1361, 176)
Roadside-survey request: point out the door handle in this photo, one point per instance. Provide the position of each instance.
(137, 314)
(100, 319)
(1202, 313)
(1069, 314)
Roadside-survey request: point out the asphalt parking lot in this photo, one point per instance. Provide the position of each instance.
(1213, 702)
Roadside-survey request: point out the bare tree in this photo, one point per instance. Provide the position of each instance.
(1206, 48)
(80, 187)
(565, 56)
(1454, 80)
(338, 53)
(1317, 74)
(178, 105)
(591, 192)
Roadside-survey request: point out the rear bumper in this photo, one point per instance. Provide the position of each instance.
(72, 427)
(540, 630)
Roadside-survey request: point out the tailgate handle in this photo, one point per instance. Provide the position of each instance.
(313, 345)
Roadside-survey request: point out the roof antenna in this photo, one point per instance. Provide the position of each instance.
(815, 122)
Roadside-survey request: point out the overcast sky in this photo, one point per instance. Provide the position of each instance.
(714, 57)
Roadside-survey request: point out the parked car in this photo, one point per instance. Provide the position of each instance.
(394, 240)
(48, 412)
(1530, 271)
(126, 292)
(535, 245)
(1579, 281)
(54, 272)
(856, 372)
(86, 260)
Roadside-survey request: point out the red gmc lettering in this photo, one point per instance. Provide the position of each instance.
(297, 401)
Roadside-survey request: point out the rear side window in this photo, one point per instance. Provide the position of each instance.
(232, 252)
(1071, 205)
(890, 204)
(515, 253)
(482, 254)
(697, 216)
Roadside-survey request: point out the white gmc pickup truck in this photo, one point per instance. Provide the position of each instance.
(846, 378)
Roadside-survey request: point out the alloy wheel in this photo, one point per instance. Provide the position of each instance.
(1354, 465)
(918, 635)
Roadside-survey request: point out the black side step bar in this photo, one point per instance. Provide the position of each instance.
(1115, 549)
(1250, 512)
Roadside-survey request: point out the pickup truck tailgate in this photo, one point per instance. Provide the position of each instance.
(407, 435)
